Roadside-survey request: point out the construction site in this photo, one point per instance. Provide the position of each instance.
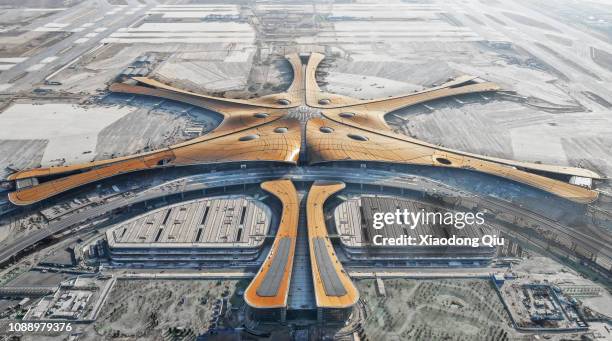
(190, 233)
(354, 223)
(192, 170)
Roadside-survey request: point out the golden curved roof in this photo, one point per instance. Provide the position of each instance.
(373, 121)
(293, 94)
(236, 118)
(317, 98)
(270, 287)
(338, 142)
(260, 116)
(262, 143)
(332, 285)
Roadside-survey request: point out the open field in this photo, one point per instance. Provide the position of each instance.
(434, 310)
(148, 308)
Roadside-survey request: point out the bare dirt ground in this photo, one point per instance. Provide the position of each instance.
(146, 309)
(437, 310)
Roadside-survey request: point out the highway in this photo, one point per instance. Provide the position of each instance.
(258, 175)
(203, 181)
(423, 273)
(178, 275)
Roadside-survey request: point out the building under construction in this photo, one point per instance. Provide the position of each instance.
(221, 229)
(354, 223)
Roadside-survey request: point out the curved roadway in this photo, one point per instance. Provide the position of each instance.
(346, 174)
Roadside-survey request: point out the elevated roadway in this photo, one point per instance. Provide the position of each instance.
(347, 175)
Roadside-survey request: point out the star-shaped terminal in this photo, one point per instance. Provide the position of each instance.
(262, 129)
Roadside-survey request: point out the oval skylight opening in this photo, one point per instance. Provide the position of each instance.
(443, 161)
(357, 137)
(347, 114)
(249, 137)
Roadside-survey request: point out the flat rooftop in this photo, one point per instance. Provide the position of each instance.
(218, 222)
(354, 221)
